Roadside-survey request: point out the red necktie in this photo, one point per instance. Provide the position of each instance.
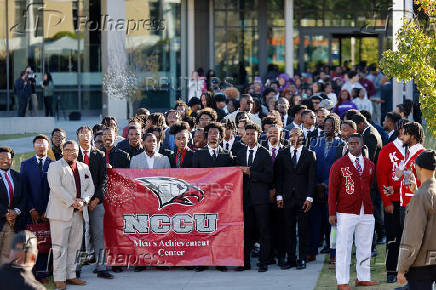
(107, 156)
(274, 154)
(86, 158)
(11, 190)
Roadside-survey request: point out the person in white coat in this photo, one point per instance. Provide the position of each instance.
(71, 188)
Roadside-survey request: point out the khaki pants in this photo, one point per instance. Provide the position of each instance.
(66, 238)
(6, 235)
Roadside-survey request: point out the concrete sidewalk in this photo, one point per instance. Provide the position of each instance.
(210, 279)
(23, 145)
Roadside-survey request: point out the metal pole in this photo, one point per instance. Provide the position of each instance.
(8, 94)
(289, 37)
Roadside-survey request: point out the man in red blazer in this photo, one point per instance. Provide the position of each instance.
(351, 210)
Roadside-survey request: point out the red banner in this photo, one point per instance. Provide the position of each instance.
(174, 217)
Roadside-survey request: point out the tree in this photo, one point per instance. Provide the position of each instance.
(415, 58)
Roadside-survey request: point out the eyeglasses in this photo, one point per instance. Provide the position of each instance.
(58, 137)
(84, 135)
(70, 150)
(204, 119)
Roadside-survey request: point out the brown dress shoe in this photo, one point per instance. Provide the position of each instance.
(344, 287)
(365, 283)
(76, 281)
(310, 258)
(60, 285)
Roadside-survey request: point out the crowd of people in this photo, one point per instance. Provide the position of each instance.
(318, 167)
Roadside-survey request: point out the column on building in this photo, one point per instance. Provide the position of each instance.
(289, 37)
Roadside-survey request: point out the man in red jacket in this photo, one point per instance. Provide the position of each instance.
(351, 210)
(413, 138)
(390, 157)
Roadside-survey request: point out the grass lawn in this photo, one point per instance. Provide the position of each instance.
(15, 136)
(18, 158)
(327, 277)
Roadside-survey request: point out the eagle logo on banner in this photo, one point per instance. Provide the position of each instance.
(172, 190)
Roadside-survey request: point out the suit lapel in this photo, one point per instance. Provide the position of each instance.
(3, 191)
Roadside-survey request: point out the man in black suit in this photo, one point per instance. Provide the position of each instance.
(12, 202)
(230, 142)
(389, 122)
(309, 130)
(295, 173)
(115, 158)
(372, 140)
(274, 136)
(212, 155)
(182, 157)
(132, 145)
(257, 167)
(283, 108)
(96, 160)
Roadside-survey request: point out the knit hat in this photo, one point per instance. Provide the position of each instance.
(427, 160)
(327, 104)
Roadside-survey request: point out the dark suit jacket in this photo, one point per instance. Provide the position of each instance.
(236, 147)
(392, 138)
(202, 159)
(257, 185)
(187, 160)
(19, 201)
(97, 167)
(311, 136)
(35, 184)
(132, 151)
(165, 152)
(295, 184)
(119, 158)
(372, 140)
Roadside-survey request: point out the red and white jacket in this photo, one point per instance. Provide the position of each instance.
(388, 160)
(410, 163)
(348, 189)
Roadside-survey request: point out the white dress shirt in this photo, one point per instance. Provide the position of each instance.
(150, 160)
(353, 160)
(254, 152)
(270, 147)
(83, 154)
(212, 151)
(3, 177)
(299, 149)
(43, 159)
(305, 131)
(230, 142)
(285, 120)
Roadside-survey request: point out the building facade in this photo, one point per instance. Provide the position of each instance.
(89, 46)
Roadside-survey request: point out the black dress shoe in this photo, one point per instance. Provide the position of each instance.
(243, 268)
(200, 268)
(392, 278)
(104, 274)
(262, 268)
(140, 268)
(301, 264)
(117, 269)
(325, 250)
(221, 268)
(381, 240)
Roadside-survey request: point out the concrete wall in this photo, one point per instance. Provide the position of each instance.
(19, 125)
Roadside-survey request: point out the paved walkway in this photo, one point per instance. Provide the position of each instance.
(210, 279)
(23, 145)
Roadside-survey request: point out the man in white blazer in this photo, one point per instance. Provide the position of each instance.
(149, 159)
(71, 189)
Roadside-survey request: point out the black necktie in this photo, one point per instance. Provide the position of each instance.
(178, 159)
(40, 163)
(250, 158)
(213, 155)
(227, 146)
(294, 158)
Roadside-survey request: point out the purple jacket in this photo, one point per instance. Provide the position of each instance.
(344, 107)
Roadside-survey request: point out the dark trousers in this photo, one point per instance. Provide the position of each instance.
(276, 219)
(378, 212)
(316, 215)
(294, 215)
(48, 106)
(22, 105)
(421, 284)
(256, 220)
(41, 269)
(393, 235)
